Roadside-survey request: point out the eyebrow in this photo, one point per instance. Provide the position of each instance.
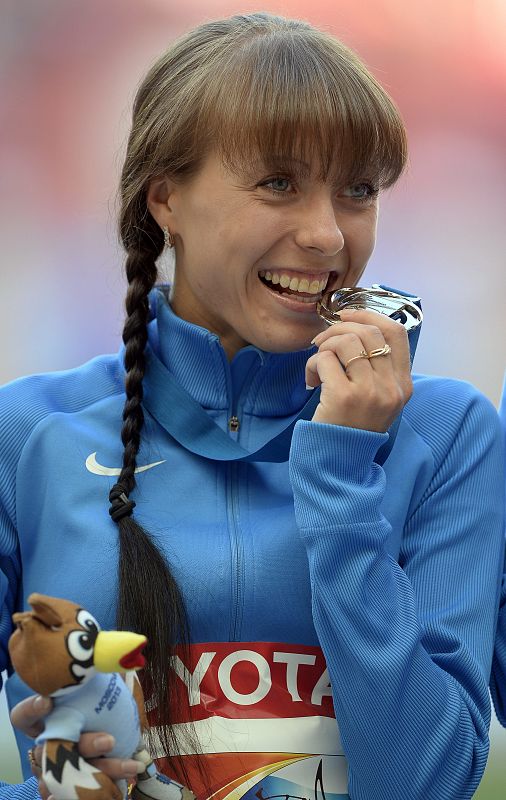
(279, 161)
(301, 169)
(272, 162)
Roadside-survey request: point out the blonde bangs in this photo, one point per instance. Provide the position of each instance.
(301, 96)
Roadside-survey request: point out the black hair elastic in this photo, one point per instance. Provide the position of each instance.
(121, 505)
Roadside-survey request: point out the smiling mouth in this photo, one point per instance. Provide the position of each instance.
(303, 288)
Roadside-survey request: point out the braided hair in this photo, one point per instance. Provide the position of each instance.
(247, 85)
(149, 600)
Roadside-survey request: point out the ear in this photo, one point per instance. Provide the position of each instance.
(158, 198)
(44, 609)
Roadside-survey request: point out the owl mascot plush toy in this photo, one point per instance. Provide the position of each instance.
(59, 651)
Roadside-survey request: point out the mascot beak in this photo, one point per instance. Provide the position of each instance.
(117, 651)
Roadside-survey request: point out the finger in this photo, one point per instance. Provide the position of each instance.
(372, 341)
(43, 791)
(351, 349)
(372, 336)
(346, 315)
(392, 331)
(93, 745)
(28, 715)
(389, 328)
(327, 366)
(36, 762)
(118, 769)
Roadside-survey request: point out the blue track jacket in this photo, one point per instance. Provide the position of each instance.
(314, 558)
(498, 682)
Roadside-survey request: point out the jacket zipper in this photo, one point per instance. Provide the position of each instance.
(237, 559)
(236, 545)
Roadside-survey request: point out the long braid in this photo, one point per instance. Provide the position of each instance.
(149, 600)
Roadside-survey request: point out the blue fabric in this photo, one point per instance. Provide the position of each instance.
(186, 420)
(393, 570)
(102, 703)
(498, 680)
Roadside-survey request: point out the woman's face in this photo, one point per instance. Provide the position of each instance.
(235, 231)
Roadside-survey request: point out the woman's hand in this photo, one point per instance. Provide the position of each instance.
(364, 392)
(28, 717)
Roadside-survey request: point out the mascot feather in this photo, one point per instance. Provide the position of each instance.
(59, 650)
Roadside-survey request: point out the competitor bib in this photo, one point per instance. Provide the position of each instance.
(264, 719)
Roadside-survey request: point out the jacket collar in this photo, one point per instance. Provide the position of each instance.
(266, 384)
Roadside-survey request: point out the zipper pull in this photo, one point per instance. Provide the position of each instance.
(233, 424)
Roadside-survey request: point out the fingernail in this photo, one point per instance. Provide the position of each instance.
(131, 768)
(103, 743)
(42, 705)
(309, 388)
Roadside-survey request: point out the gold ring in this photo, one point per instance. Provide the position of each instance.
(380, 351)
(362, 354)
(31, 759)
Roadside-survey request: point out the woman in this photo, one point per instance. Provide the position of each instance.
(258, 149)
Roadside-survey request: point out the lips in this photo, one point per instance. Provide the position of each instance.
(301, 286)
(292, 301)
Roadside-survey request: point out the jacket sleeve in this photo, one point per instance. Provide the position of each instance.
(498, 679)
(24, 404)
(408, 643)
(20, 791)
(9, 574)
(13, 431)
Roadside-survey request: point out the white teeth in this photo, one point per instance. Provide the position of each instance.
(295, 284)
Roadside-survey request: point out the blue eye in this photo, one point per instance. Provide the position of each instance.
(360, 191)
(278, 185)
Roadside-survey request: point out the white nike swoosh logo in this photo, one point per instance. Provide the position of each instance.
(93, 466)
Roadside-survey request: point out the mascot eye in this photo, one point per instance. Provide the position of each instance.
(86, 620)
(80, 645)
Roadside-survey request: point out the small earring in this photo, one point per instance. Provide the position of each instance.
(168, 237)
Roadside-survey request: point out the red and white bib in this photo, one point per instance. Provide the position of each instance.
(265, 722)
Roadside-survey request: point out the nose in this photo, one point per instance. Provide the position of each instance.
(318, 229)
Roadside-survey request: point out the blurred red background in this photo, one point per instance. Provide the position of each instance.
(68, 71)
